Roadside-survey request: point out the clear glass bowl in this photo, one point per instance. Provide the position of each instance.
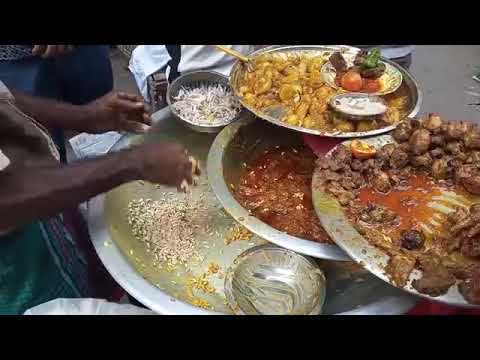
(269, 280)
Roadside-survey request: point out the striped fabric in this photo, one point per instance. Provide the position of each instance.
(71, 263)
(39, 263)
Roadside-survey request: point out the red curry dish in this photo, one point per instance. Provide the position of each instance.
(276, 188)
(398, 199)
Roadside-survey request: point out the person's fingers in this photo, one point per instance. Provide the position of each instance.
(127, 105)
(135, 111)
(180, 180)
(38, 50)
(51, 51)
(197, 169)
(132, 126)
(138, 116)
(147, 108)
(186, 172)
(147, 119)
(129, 96)
(191, 169)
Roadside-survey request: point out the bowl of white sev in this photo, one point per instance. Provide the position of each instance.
(203, 101)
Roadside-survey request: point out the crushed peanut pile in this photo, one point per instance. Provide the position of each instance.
(237, 233)
(167, 227)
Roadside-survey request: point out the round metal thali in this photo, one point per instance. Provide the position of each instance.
(350, 290)
(373, 259)
(415, 95)
(393, 74)
(237, 144)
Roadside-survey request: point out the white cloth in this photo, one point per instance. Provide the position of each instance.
(204, 57)
(86, 307)
(146, 60)
(91, 145)
(4, 92)
(149, 59)
(4, 161)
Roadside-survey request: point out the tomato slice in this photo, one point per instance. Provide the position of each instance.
(352, 81)
(371, 86)
(361, 150)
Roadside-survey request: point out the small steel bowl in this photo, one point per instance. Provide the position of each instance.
(195, 79)
(376, 98)
(270, 280)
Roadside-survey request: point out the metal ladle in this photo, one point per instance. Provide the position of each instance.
(244, 59)
(334, 104)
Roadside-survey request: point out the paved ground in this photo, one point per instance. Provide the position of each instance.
(444, 73)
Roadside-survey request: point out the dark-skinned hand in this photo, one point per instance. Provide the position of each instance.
(51, 51)
(118, 111)
(164, 163)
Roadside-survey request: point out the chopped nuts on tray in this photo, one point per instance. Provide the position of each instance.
(237, 233)
(167, 227)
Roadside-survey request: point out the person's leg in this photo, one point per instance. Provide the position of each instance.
(85, 74)
(175, 52)
(33, 76)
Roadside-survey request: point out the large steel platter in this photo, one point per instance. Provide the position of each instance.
(236, 145)
(373, 259)
(349, 291)
(415, 96)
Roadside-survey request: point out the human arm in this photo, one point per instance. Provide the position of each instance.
(116, 111)
(32, 193)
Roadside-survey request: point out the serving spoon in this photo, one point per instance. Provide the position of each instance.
(354, 113)
(244, 59)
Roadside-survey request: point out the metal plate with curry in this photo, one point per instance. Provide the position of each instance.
(432, 203)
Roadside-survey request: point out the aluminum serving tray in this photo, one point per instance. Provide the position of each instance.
(408, 81)
(373, 259)
(349, 291)
(236, 145)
